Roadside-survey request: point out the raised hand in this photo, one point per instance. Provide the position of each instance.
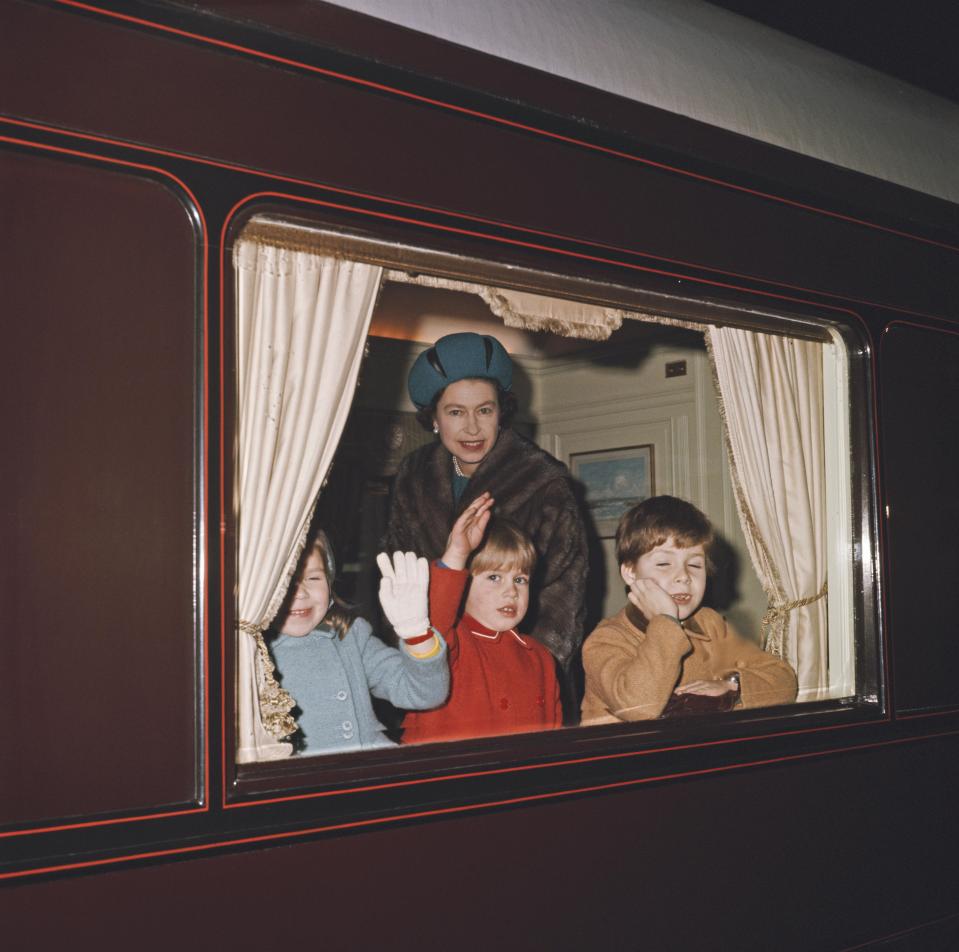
(404, 593)
(651, 599)
(467, 532)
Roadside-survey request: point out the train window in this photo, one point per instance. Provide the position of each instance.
(745, 416)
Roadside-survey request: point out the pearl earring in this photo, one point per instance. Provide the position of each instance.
(436, 428)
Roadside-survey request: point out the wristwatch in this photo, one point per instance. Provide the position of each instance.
(733, 679)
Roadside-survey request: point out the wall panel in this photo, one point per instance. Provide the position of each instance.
(98, 711)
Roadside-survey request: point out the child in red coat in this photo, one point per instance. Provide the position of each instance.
(501, 681)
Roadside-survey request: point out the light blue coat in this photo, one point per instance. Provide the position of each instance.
(332, 678)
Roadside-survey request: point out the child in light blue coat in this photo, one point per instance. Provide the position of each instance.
(331, 662)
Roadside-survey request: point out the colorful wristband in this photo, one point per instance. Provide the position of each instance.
(419, 639)
(435, 650)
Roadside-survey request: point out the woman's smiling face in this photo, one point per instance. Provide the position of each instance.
(467, 420)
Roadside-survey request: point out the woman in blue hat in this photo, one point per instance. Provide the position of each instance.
(462, 388)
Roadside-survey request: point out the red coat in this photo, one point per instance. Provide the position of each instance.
(500, 682)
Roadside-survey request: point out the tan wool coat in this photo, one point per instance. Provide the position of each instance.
(633, 667)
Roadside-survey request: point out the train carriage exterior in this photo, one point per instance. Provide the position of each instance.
(141, 145)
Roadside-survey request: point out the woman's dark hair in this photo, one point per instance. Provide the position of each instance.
(506, 400)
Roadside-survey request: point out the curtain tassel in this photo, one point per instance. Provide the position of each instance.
(275, 703)
(776, 618)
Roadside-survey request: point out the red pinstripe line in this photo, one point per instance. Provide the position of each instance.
(465, 216)
(569, 762)
(910, 930)
(582, 143)
(405, 219)
(924, 327)
(462, 808)
(926, 714)
(224, 721)
(885, 674)
(87, 823)
(204, 808)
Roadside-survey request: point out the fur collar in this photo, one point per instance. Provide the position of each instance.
(514, 471)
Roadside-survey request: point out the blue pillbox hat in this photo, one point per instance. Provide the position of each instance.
(458, 357)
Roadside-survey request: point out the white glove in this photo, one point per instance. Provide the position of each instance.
(404, 593)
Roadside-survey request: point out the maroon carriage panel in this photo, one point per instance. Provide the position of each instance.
(920, 393)
(99, 655)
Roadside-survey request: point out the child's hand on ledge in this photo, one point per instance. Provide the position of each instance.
(467, 532)
(651, 599)
(714, 688)
(404, 593)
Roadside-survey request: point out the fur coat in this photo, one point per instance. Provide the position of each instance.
(529, 487)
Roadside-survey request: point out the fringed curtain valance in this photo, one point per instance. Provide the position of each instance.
(528, 311)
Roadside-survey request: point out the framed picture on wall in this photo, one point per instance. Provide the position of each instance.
(613, 481)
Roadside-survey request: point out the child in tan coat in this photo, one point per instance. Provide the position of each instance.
(663, 654)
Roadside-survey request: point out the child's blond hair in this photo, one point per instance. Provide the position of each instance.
(506, 547)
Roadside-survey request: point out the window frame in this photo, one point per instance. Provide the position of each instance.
(461, 764)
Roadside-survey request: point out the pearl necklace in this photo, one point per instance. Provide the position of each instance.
(457, 470)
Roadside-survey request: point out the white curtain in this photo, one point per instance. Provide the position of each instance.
(771, 400)
(301, 326)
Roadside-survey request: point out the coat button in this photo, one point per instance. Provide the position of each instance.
(347, 725)
(341, 695)
(504, 703)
